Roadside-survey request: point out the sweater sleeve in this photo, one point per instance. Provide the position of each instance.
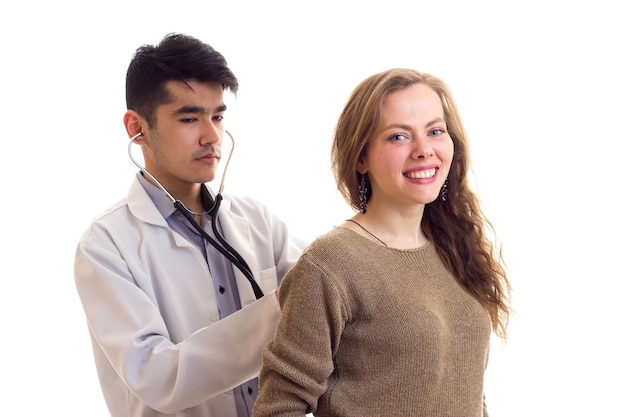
(299, 360)
(485, 413)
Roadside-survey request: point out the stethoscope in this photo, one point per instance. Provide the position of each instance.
(223, 247)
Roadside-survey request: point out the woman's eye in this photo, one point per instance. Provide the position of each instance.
(437, 132)
(397, 137)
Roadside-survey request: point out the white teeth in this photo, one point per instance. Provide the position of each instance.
(427, 173)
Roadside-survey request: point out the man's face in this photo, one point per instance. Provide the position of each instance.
(183, 147)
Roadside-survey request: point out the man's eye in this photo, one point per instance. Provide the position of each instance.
(218, 118)
(188, 120)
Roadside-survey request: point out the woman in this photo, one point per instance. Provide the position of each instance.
(391, 313)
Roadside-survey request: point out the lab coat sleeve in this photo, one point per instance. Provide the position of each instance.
(133, 339)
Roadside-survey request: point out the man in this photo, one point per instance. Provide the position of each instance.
(176, 328)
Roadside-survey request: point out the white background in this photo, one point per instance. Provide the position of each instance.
(540, 86)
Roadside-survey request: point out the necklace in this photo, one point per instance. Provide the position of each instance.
(366, 231)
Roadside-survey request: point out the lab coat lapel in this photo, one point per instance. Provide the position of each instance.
(142, 207)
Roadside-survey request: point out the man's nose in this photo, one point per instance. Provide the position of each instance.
(211, 134)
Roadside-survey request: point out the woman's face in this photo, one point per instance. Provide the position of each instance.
(409, 157)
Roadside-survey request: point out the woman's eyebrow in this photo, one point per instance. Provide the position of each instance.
(435, 121)
(409, 127)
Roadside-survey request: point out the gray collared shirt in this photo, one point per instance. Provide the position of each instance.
(221, 273)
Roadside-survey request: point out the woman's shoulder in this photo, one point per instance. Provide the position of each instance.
(337, 245)
(338, 236)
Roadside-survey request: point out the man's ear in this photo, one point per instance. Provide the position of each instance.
(135, 124)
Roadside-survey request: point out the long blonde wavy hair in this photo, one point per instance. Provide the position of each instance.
(458, 227)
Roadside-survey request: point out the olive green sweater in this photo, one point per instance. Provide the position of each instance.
(368, 330)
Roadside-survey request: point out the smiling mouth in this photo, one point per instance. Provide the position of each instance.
(426, 173)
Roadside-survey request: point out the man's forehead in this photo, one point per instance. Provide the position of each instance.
(195, 96)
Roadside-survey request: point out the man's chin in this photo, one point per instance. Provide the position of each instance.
(207, 178)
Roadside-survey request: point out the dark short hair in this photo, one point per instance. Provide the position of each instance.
(177, 57)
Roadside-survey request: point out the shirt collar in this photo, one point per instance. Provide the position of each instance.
(162, 201)
(158, 197)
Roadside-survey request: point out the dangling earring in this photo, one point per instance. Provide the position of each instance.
(363, 194)
(444, 191)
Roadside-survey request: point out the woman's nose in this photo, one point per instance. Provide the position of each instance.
(422, 148)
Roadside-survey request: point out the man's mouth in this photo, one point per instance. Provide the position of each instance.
(209, 156)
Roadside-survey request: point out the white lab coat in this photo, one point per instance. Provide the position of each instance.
(152, 312)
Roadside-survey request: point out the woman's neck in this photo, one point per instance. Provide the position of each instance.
(397, 229)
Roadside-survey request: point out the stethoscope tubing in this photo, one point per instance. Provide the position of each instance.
(223, 246)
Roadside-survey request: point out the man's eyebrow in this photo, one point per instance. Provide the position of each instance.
(198, 109)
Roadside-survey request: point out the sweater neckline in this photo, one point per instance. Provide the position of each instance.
(371, 242)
